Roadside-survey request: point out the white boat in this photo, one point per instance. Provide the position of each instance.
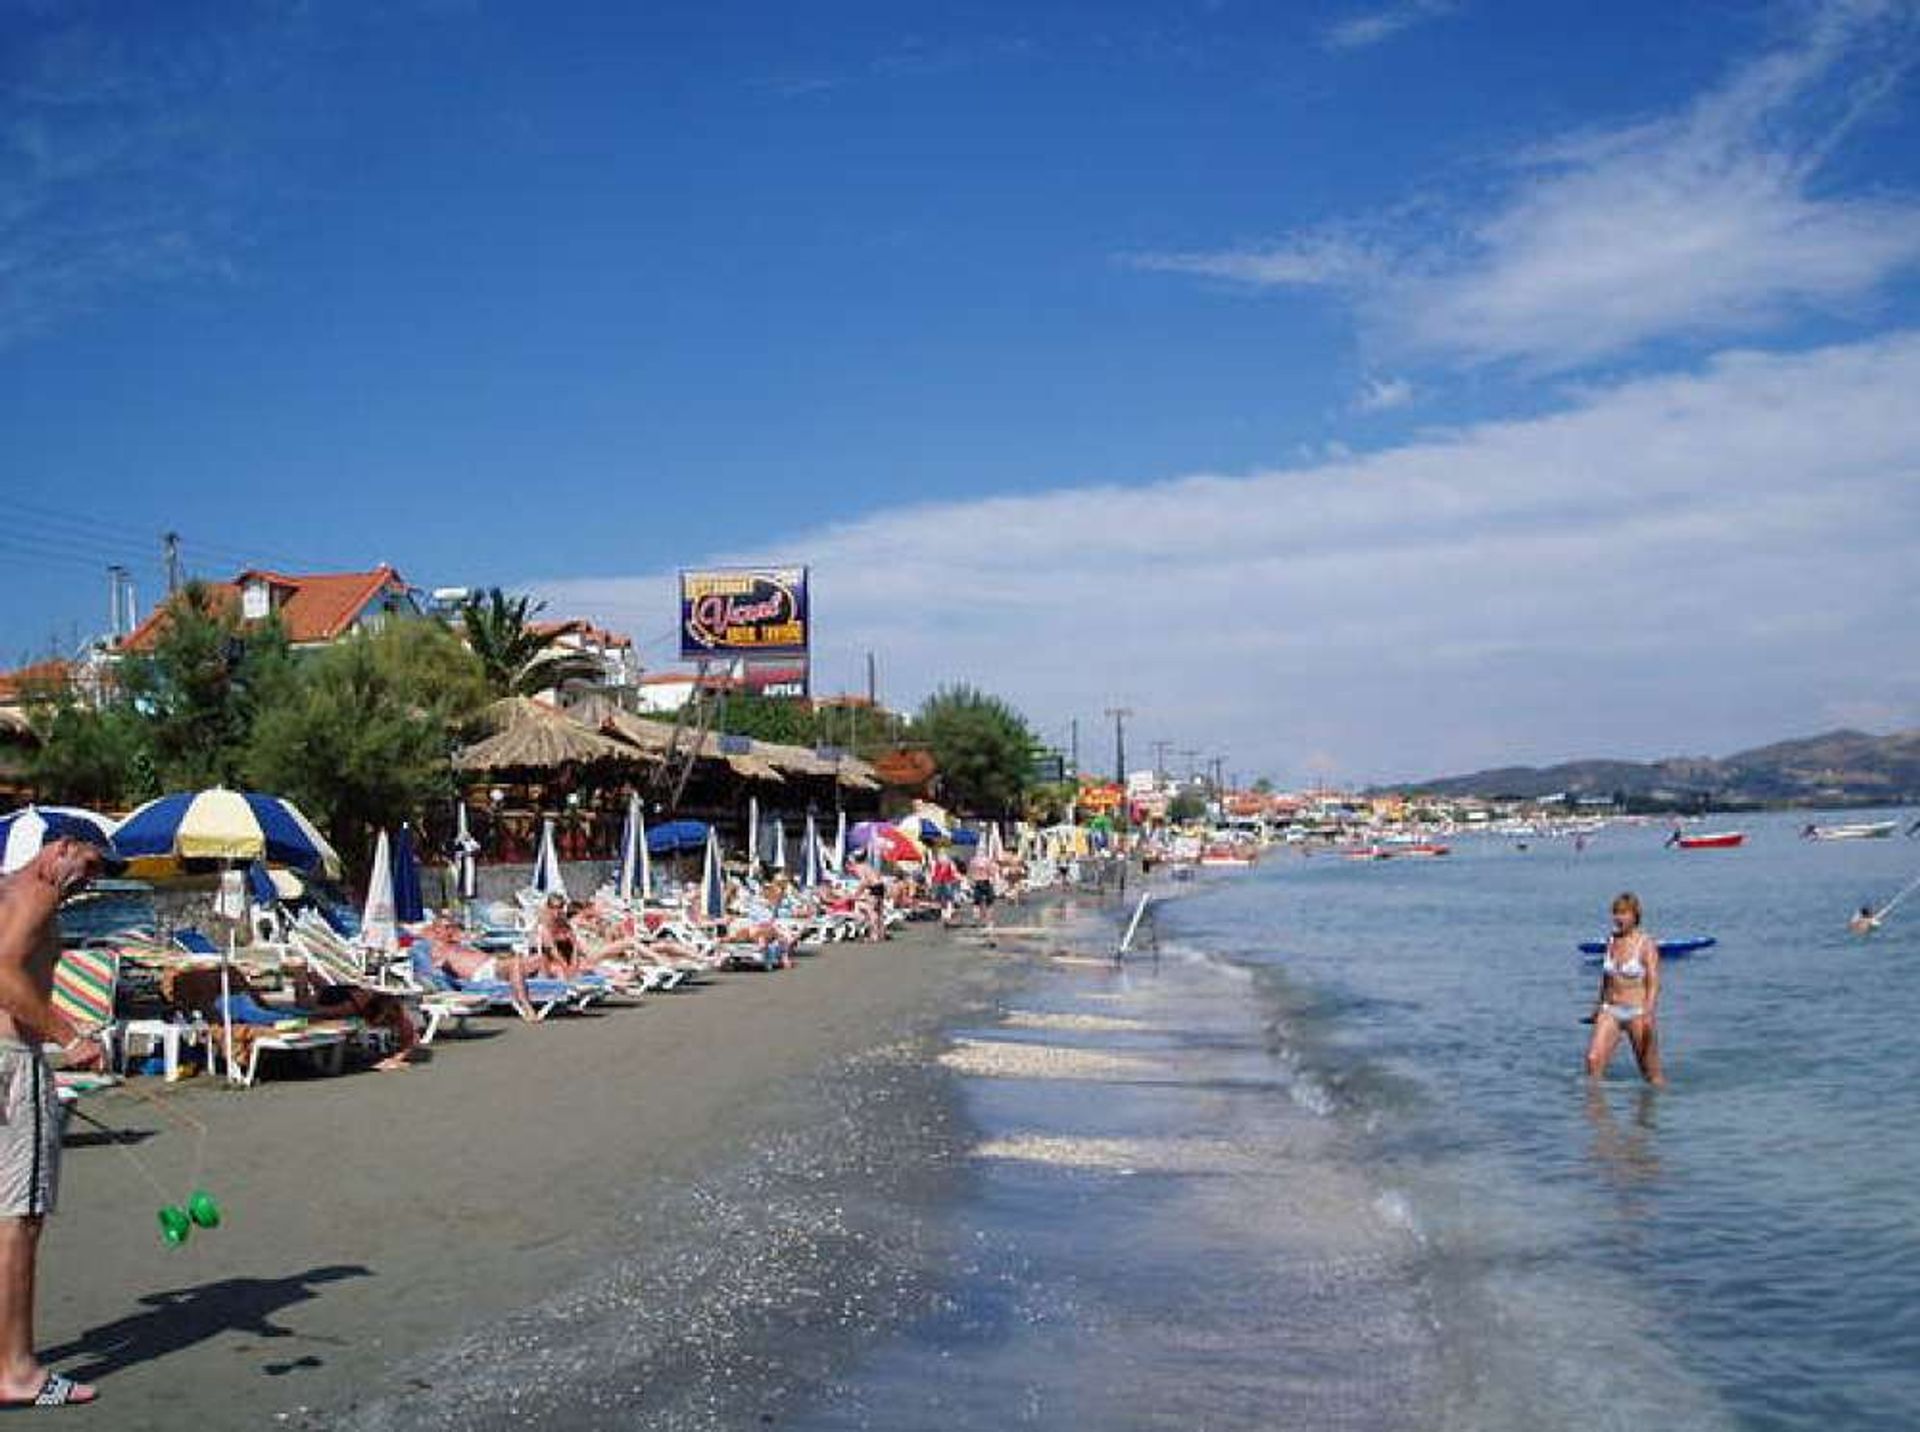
(1857, 830)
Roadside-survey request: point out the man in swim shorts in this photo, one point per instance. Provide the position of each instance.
(29, 1108)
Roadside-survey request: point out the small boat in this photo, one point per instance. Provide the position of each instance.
(1711, 840)
(1595, 950)
(1425, 848)
(1857, 830)
(1227, 857)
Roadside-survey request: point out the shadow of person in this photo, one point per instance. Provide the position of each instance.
(181, 1317)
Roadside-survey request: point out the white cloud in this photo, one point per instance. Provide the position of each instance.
(1690, 562)
(1714, 220)
(1357, 32)
(1379, 395)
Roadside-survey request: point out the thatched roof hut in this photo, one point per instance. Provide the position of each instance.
(528, 736)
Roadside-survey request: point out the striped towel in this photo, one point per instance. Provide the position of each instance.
(83, 983)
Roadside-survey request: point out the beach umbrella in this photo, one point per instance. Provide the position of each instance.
(409, 906)
(779, 841)
(260, 884)
(966, 837)
(840, 844)
(24, 831)
(810, 872)
(636, 868)
(466, 866)
(886, 842)
(713, 882)
(379, 929)
(996, 849)
(547, 879)
(677, 836)
(225, 827)
(927, 823)
(753, 835)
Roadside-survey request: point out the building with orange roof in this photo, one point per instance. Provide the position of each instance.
(316, 609)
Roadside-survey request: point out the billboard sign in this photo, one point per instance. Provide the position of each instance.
(743, 612)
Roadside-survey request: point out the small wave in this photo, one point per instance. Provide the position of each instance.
(1000, 1059)
(1039, 1019)
(1168, 1155)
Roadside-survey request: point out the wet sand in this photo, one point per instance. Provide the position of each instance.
(551, 1224)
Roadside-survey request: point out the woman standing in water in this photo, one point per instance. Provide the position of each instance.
(1629, 994)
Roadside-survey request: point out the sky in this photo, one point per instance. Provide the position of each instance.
(1353, 391)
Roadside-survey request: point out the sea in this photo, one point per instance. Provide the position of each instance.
(1319, 1153)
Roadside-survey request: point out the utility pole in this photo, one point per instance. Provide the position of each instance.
(873, 684)
(1073, 744)
(170, 554)
(1191, 756)
(1160, 749)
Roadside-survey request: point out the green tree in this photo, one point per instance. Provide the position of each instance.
(764, 718)
(432, 670)
(359, 741)
(1186, 806)
(982, 746)
(89, 756)
(203, 686)
(518, 660)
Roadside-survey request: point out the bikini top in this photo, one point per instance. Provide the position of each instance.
(1632, 969)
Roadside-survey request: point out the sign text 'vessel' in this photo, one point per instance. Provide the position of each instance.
(749, 611)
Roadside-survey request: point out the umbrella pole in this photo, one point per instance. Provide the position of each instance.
(226, 1003)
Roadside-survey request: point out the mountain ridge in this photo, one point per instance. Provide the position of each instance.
(1843, 766)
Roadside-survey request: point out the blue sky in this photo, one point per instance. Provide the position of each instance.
(1352, 389)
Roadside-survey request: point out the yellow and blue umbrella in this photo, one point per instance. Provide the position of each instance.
(222, 827)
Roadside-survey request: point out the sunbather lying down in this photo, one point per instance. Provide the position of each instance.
(245, 1005)
(448, 950)
(344, 1001)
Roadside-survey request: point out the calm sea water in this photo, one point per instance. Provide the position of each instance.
(1334, 1163)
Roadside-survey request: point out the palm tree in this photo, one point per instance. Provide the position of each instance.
(518, 659)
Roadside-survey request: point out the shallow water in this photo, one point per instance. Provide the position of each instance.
(1337, 1166)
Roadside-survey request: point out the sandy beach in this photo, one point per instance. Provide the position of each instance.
(448, 1246)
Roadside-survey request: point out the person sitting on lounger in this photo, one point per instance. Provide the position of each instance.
(871, 901)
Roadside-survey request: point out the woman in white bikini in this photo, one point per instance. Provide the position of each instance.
(1629, 995)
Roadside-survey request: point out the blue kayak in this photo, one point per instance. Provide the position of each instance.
(1669, 949)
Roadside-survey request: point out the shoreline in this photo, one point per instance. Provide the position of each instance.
(393, 1239)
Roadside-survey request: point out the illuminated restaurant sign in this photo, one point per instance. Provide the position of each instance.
(743, 611)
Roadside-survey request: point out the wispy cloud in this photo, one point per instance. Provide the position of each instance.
(1356, 32)
(1718, 219)
(1379, 395)
(1671, 563)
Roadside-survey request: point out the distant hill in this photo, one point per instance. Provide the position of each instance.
(1839, 768)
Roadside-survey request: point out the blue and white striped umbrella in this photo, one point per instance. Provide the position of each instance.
(636, 865)
(466, 850)
(222, 827)
(24, 831)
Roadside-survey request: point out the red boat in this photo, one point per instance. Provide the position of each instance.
(1714, 840)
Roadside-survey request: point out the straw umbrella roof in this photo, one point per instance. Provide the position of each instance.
(529, 736)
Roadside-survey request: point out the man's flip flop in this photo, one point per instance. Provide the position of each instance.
(56, 1391)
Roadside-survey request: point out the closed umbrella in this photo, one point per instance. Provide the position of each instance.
(840, 844)
(222, 827)
(753, 835)
(379, 929)
(466, 850)
(713, 882)
(24, 831)
(636, 866)
(547, 879)
(810, 873)
(779, 839)
(409, 905)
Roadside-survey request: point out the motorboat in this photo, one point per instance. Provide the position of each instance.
(1856, 830)
(1709, 840)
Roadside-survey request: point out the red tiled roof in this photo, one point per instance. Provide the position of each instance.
(906, 770)
(585, 628)
(41, 675)
(317, 607)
